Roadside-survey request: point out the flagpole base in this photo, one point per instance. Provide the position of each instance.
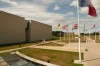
(78, 62)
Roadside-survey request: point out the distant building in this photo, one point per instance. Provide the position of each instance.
(12, 28)
(38, 31)
(15, 29)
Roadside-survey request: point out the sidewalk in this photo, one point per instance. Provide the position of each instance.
(92, 56)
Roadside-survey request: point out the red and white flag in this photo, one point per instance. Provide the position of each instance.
(92, 10)
(93, 26)
(75, 26)
(67, 29)
(87, 3)
(64, 27)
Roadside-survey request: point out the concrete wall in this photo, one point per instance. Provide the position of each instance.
(12, 28)
(39, 31)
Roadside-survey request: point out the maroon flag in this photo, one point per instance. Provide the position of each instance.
(67, 29)
(64, 27)
(75, 26)
(92, 11)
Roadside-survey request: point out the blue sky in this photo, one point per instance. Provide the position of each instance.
(52, 12)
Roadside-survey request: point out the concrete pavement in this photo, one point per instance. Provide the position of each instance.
(92, 56)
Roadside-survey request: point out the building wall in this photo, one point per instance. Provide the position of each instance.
(40, 31)
(12, 28)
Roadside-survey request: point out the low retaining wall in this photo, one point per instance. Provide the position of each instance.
(35, 60)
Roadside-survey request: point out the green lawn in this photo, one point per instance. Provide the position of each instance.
(61, 58)
(14, 46)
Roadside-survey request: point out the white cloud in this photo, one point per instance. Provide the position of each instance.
(48, 1)
(70, 14)
(36, 12)
(12, 2)
(74, 3)
(56, 7)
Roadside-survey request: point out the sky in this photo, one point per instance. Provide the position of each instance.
(53, 12)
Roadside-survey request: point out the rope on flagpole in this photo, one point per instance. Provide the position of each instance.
(79, 32)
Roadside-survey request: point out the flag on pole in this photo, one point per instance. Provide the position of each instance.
(83, 3)
(93, 26)
(87, 29)
(67, 29)
(58, 26)
(75, 26)
(87, 3)
(92, 10)
(64, 27)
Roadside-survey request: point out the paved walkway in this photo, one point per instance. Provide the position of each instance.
(92, 56)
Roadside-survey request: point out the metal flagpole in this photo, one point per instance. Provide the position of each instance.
(89, 34)
(64, 35)
(72, 34)
(84, 32)
(60, 31)
(79, 32)
(95, 31)
(99, 35)
(69, 36)
(84, 35)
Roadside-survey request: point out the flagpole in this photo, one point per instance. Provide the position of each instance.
(69, 36)
(79, 32)
(84, 35)
(89, 34)
(95, 33)
(84, 32)
(60, 34)
(64, 35)
(99, 35)
(72, 34)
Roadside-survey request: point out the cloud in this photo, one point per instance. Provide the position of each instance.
(12, 2)
(56, 7)
(74, 3)
(70, 14)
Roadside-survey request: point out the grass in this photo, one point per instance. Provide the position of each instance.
(50, 44)
(2, 48)
(61, 58)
